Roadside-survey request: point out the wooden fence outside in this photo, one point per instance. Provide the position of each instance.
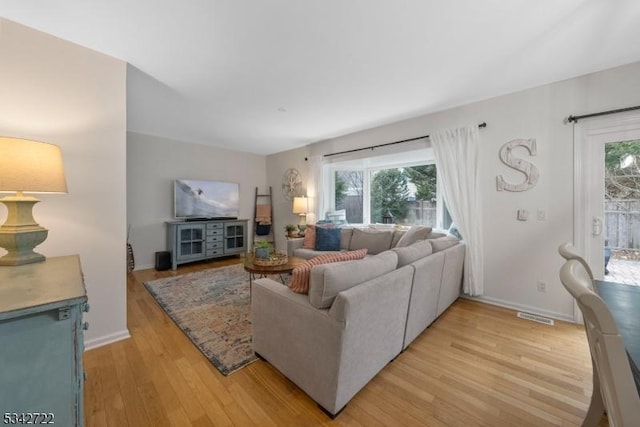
(622, 224)
(418, 212)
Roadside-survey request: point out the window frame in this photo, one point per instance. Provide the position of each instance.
(364, 165)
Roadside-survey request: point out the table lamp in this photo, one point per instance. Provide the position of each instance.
(300, 207)
(26, 167)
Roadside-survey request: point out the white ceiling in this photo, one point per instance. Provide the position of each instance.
(267, 76)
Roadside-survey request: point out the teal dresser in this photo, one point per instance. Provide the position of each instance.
(41, 343)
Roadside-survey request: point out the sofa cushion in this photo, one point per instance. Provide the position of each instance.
(375, 241)
(345, 238)
(453, 230)
(300, 275)
(312, 253)
(415, 233)
(309, 241)
(409, 254)
(436, 234)
(378, 226)
(328, 239)
(397, 235)
(329, 280)
(444, 242)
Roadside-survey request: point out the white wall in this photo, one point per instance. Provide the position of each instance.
(517, 254)
(277, 164)
(152, 165)
(61, 93)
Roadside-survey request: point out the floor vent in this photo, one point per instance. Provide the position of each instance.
(535, 318)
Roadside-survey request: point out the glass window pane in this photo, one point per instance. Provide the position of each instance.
(389, 195)
(349, 187)
(408, 193)
(423, 195)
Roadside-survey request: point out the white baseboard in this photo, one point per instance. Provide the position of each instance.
(107, 339)
(521, 307)
(144, 267)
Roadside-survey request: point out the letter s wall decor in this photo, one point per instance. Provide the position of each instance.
(529, 170)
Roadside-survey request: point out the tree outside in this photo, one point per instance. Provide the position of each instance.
(341, 191)
(408, 193)
(389, 192)
(622, 199)
(349, 186)
(425, 178)
(622, 170)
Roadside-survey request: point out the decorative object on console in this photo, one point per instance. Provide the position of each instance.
(291, 183)
(26, 167)
(301, 207)
(529, 170)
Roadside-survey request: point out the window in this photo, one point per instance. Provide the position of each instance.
(368, 189)
(349, 194)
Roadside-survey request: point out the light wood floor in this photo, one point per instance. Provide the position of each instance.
(477, 365)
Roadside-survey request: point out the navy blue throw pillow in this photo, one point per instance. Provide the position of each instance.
(327, 239)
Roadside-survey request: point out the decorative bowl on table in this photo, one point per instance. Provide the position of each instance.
(276, 258)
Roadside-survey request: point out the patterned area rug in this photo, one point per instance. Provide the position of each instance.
(212, 307)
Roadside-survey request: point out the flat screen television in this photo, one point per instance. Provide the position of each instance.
(206, 199)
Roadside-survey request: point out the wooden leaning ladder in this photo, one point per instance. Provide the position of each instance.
(263, 198)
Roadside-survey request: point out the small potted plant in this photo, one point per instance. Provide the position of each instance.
(291, 230)
(262, 249)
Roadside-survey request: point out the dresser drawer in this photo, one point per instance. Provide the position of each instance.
(214, 239)
(214, 226)
(214, 252)
(215, 245)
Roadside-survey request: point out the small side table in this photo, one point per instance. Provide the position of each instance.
(264, 271)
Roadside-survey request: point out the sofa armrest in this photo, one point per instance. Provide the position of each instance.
(299, 340)
(374, 314)
(332, 353)
(452, 273)
(293, 244)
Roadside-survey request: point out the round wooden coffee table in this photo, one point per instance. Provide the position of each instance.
(264, 271)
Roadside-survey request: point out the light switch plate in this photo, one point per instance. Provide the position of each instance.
(523, 215)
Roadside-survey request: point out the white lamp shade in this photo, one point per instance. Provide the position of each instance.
(300, 205)
(31, 166)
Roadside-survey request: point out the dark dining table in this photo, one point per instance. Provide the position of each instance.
(624, 303)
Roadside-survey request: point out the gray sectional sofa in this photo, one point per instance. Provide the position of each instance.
(358, 315)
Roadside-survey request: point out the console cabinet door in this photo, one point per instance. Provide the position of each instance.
(41, 331)
(40, 360)
(235, 237)
(190, 241)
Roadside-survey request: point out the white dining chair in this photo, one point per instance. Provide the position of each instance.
(568, 251)
(596, 407)
(617, 392)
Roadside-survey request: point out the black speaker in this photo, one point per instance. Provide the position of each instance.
(163, 260)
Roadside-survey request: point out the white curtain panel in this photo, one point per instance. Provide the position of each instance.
(314, 189)
(457, 152)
